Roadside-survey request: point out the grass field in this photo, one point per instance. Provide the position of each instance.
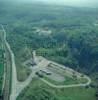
(69, 78)
(38, 90)
(67, 81)
(20, 57)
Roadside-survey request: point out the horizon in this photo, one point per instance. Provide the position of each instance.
(74, 3)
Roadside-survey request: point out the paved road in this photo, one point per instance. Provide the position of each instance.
(14, 73)
(68, 86)
(65, 86)
(16, 86)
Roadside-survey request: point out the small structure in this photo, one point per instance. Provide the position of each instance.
(45, 72)
(34, 58)
(39, 74)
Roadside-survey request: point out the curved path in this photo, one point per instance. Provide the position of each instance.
(69, 71)
(68, 86)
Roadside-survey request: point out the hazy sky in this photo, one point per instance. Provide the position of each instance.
(86, 3)
(74, 2)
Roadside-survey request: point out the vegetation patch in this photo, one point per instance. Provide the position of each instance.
(67, 81)
(73, 42)
(1, 65)
(41, 91)
(22, 71)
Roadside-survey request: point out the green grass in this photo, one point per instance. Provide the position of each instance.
(22, 71)
(38, 90)
(67, 81)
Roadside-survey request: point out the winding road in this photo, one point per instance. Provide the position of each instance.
(67, 86)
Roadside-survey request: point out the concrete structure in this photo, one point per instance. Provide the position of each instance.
(34, 58)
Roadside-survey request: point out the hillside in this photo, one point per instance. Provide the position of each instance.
(67, 35)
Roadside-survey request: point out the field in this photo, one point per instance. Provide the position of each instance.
(58, 75)
(67, 81)
(41, 91)
(22, 73)
(48, 80)
(70, 77)
(55, 73)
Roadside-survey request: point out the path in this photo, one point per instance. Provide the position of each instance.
(16, 86)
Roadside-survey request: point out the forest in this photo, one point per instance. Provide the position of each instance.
(73, 38)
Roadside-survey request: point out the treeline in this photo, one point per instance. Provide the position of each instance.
(73, 41)
(80, 46)
(74, 38)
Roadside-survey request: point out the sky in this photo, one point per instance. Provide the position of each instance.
(74, 2)
(85, 3)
